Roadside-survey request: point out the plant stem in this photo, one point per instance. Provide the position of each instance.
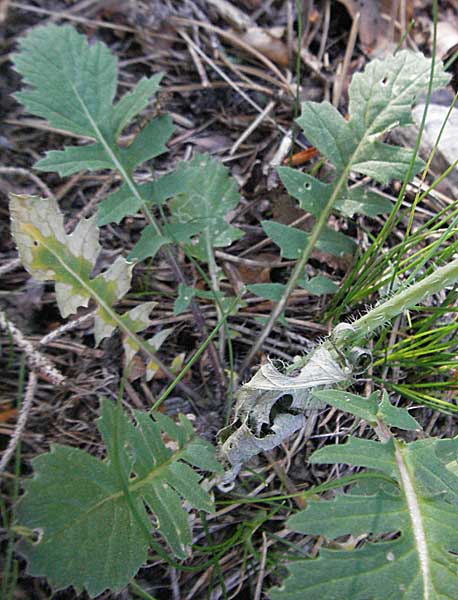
(127, 177)
(179, 275)
(199, 352)
(400, 302)
(139, 591)
(317, 230)
(213, 271)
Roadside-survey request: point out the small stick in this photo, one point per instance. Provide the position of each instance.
(69, 326)
(337, 92)
(25, 173)
(22, 420)
(259, 119)
(262, 568)
(324, 36)
(199, 66)
(35, 359)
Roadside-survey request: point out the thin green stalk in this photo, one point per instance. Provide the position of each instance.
(230, 350)
(216, 565)
(311, 492)
(196, 356)
(213, 271)
(315, 234)
(410, 169)
(366, 277)
(139, 591)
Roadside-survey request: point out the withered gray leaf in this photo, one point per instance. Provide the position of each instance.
(270, 407)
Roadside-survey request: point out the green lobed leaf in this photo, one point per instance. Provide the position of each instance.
(364, 408)
(133, 102)
(73, 83)
(418, 562)
(206, 197)
(359, 200)
(359, 453)
(269, 291)
(149, 244)
(90, 537)
(395, 416)
(313, 194)
(319, 285)
(73, 86)
(370, 409)
(292, 240)
(185, 295)
(328, 131)
(381, 99)
(150, 241)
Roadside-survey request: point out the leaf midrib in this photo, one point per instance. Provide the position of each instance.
(113, 157)
(133, 486)
(416, 519)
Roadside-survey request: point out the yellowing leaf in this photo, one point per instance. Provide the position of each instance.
(49, 254)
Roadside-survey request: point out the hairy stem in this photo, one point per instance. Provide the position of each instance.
(400, 302)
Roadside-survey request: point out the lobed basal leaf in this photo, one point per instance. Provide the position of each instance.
(416, 506)
(73, 86)
(202, 195)
(49, 254)
(380, 99)
(92, 515)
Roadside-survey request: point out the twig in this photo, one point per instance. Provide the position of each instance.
(324, 36)
(223, 75)
(337, 92)
(262, 568)
(233, 39)
(176, 595)
(199, 66)
(233, 15)
(22, 420)
(9, 266)
(259, 119)
(25, 173)
(69, 326)
(70, 17)
(35, 359)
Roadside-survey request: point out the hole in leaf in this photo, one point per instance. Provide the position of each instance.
(384, 80)
(226, 487)
(37, 536)
(265, 430)
(308, 186)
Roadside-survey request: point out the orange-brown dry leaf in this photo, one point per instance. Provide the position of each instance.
(248, 273)
(267, 42)
(137, 368)
(175, 367)
(6, 415)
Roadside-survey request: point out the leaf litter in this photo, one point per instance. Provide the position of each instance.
(197, 106)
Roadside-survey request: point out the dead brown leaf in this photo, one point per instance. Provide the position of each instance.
(268, 42)
(375, 32)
